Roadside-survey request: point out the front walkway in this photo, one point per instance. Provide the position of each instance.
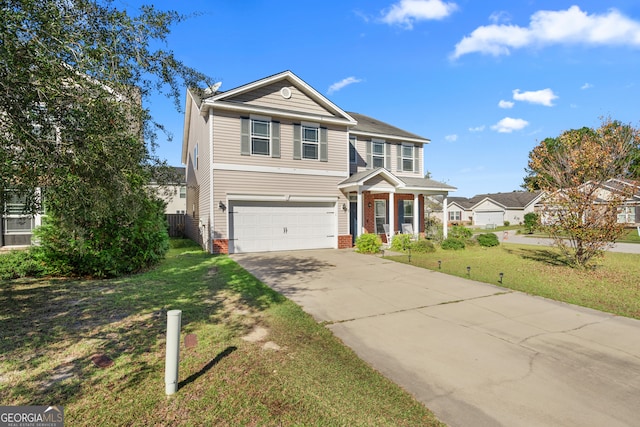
(475, 354)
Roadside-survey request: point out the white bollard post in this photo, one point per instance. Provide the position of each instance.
(174, 318)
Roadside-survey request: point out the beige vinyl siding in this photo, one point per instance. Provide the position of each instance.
(198, 178)
(361, 147)
(275, 184)
(378, 183)
(269, 96)
(227, 146)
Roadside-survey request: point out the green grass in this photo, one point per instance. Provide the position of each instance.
(630, 235)
(613, 286)
(51, 328)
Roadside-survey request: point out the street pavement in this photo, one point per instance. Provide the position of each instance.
(512, 237)
(475, 354)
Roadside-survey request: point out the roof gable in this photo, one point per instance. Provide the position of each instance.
(285, 93)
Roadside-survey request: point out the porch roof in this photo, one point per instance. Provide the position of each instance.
(399, 182)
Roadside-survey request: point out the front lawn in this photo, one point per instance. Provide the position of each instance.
(259, 359)
(613, 286)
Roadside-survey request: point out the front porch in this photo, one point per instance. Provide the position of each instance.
(378, 197)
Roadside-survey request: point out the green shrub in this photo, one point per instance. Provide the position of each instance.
(452, 243)
(20, 263)
(400, 242)
(531, 222)
(507, 223)
(488, 239)
(368, 243)
(121, 244)
(422, 246)
(460, 232)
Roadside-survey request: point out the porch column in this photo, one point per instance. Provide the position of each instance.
(445, 216)
(392, 215)
(416, 214)
(359, 210)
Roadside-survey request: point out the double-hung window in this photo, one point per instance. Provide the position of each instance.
(380, 215)
(377, 154)
(310, 139)
(407, 157)
(260, 137)
(455, 216)
(407, 212)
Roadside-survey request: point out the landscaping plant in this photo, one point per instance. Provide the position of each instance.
(368, 243)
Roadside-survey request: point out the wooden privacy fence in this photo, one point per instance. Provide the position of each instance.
(176, 224)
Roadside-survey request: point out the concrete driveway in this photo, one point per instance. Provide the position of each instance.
(475, 354)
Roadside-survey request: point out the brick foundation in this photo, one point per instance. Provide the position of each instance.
(220, 246)
(344, 241)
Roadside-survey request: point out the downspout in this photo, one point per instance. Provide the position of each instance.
(210, 244)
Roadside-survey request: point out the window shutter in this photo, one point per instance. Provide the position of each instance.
(369, 156)
(297, 141)
(400, 214)
(416, 158)
(275, 139)
(399, 157)
(387, 161)
(245, 146)
(324, 146)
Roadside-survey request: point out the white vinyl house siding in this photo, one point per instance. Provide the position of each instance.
(275, 184)
(269, 96)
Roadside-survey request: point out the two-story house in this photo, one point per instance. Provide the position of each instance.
(274, 165)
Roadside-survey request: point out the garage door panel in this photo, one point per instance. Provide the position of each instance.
(489, 217)
(263, 226)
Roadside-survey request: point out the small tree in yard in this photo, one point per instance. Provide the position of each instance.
(572, 170)
(531, 222)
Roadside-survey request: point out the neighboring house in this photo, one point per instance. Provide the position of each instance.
(174, 194)
(274, 165)
(492, 209)
(624, 190)
(16, 227)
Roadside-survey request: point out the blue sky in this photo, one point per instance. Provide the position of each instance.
(485, 81)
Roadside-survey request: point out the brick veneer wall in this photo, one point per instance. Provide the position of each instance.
(220, 246)
(345, 241)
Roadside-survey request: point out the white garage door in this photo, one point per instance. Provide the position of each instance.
(484, 218)
(270, 226)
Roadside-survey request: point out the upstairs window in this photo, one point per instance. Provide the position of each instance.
(353, 158)
(310, 142)
(407, 160)
(377, 154)
(260, 137)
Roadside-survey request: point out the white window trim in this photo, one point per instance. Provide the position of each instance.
(266, 119)
(375, 216)
(404, 204)
(412, 158)
(316, 126)
(383, 155)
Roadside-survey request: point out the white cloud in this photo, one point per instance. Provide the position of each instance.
(586, 86)
(543, 97)
(477, 129)
(451, 138)
(342, 83)
(505, 104)
(508, 125)
(406, 12)
(501, 16)
(571, 26)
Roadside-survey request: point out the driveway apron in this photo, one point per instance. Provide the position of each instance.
(473, 353)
